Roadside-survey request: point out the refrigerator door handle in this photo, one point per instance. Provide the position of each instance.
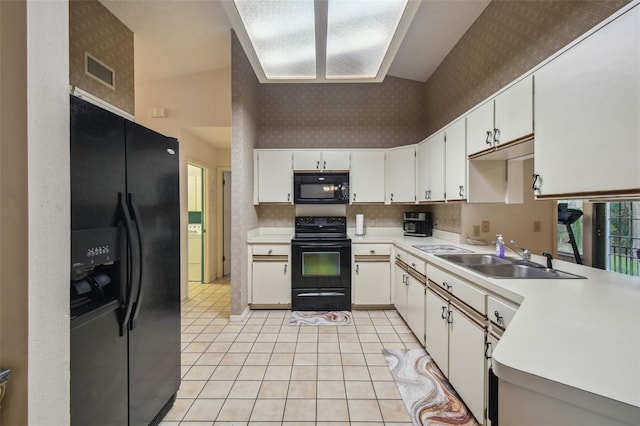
(140, 232)
(128, 300)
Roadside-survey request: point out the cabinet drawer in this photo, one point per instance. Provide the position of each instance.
(371, 249)
(270, 249)
(463, 291)
(412, 262)
(500, 312)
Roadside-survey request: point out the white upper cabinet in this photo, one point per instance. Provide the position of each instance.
(455, 162)
(273, 178)
(436, 167)
(480, 128)
(506, 118)
(367, 176)
(401, 174)
(423, 181)
(514, 112)
(587, 111)
(310, 160)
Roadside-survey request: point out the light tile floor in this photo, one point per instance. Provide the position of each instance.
(265, 372)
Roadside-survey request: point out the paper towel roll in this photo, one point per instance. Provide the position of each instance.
(359, 224)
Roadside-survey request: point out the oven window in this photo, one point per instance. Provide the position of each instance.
(318, 191)
(321, 264)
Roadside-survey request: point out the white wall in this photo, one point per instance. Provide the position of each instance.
(49, 211)
(197, 100)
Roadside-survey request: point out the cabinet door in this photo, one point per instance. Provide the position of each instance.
(307, 160)
(514, 112)
(587, 104)
(372, 283)
(415, 308)
(274, 177)
(271, 283)
(402, 174)
(466, 361)
(436, 167)
(367, 177)
(400, 291)
(456, 162)
(480, 128)
(335, 160)
(437, 330)
(422, 171)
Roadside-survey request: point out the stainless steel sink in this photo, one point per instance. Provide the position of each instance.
(496, 267)
(475, 259)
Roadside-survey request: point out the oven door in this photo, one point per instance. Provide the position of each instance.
(321, 275)
(321, 264)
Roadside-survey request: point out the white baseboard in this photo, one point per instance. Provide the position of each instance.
(241, 317)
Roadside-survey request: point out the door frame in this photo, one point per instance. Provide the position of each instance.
(220, 220)
(206, 203)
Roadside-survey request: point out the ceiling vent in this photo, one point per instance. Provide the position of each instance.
(99, 71)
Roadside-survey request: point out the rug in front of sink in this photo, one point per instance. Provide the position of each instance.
(321, 318)
(426, 393)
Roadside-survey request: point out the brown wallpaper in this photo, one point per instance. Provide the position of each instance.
(508, 39)
(94, 29)
(244, 134)
(332, 115)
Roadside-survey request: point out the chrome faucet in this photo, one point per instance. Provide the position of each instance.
(524, 253)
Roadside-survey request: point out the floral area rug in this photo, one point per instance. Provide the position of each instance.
(321, 318)
(427, 394)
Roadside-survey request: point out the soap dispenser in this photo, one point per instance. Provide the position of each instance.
(500, 246)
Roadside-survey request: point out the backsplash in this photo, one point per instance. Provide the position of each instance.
(375, 216)
(447, 217)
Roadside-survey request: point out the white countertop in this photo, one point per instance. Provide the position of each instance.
(573, 339)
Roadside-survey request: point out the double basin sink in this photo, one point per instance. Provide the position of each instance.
(497, 267)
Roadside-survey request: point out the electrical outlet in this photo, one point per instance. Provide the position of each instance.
(476, 230)
(536, 226)
(485, 226)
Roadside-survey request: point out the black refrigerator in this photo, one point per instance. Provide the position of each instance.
(125, 270)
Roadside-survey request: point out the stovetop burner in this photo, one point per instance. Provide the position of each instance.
(320, 227)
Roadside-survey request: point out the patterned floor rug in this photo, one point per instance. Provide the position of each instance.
(427, 394)
(321, 318)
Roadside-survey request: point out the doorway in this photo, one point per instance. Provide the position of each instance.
(195, 227)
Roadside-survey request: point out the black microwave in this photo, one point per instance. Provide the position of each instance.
(321, 188)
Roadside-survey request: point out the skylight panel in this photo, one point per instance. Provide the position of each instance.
(358, 36)
(282, 33)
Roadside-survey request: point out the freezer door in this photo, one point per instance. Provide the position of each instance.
(98, 369)
(154, 336)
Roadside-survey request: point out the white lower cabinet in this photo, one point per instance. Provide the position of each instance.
(271, 278)
(456, 330)
(409, 292)
(371, 274)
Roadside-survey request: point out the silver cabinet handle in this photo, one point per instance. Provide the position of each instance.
(317, 164)
(392, 196)
(496, 136)
(461, 193)
(489, 134)
(488, 350)
(285, 268)
(413, 265)
(499, 318)
(426, 197)
(449, 318)
(444, 313)
(372, 252)
(357, 269)
(324, 165)
(354, 197)
(429, 195)
(536, 178)
(270, 251)
(289, 196)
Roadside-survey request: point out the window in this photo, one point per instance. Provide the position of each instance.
(623, 237)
